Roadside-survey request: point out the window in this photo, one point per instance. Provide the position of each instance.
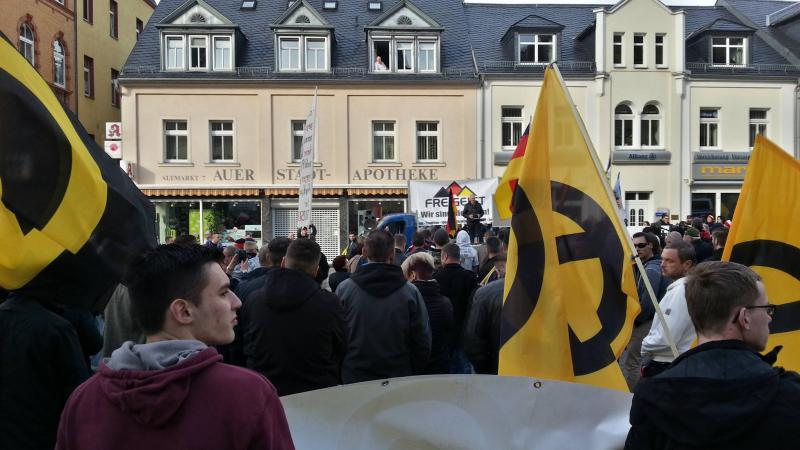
(427, 141)
(660, 48)
(405, 56)
(758, 124)
(375, 6)
(112, 19)
(315, 54)
(115, 98)
(289, 53)
(88, 10)
(198, 49)
(176, 141)
(332, 5)
(298, 127)
(536, 48)
(618, 61)
(623, 126)
(175, 58)
(26, 40)
(58, 63)
(221, 140)
(222, 53)
(728, 51)
(382, 55)
(427, 57)
(638, 50)
(383, 141)
(139, 28)
(651, 133)
(88, 76)
(709, 126)
(511, 124)
(248, 4)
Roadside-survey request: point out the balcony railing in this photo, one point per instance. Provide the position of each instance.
(264, 71)
(516, 66)
(767, 69)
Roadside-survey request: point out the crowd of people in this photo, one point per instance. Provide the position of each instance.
(201, 340)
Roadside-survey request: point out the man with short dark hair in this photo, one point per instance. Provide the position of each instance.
(399, 249)
(648, 249)
(457, 284)
(721, 394)
(417, 243)
(293, 331)
(388, 332)
(269, 257)
(718, 239)
(440, 239)
(676, 261)
(487, 272)
(173, 391)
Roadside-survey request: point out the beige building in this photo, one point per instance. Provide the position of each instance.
(44, 32)
(107, 31)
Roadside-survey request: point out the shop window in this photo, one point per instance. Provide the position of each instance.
(703, 204)
(383, 138)
(623, 126)
(727, 204)
(221, 140)
(709, 127)
(364, 215)
(176, 141)
(234, 219)
(427, 141)
(758, 124)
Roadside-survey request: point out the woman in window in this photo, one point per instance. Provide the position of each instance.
(379, 65)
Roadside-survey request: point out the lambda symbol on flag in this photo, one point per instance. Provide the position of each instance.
(598, 241)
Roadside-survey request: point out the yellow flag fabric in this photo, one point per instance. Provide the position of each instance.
(764, 236)
(570, 297)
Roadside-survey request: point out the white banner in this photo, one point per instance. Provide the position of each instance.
(430, 199)
(459, 411)
(306, 189)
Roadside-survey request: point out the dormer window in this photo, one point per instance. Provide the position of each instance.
(404, 40)
(728, 51)
(303, 40)
(536, 48)
(198, 49)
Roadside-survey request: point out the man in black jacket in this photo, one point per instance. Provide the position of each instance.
(473, 211)
(457, 284)
(294, 332)
(269, 257)
(482, 330)
(721, 394)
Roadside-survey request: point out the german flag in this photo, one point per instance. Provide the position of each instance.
(504, 196)
(570, 297)
(452, 212)
(764, 236)
(70, 218)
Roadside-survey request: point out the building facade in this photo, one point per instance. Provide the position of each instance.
(215, 97)
(107, 31)
(44, 32)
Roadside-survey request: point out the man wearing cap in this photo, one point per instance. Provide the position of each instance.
(703, 249)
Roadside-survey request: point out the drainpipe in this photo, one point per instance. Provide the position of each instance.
(482, 127)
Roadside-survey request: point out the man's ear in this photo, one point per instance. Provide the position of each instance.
(181, 311)
(283, 262)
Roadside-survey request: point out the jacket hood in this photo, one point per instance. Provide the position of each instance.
(286, 289)
(379, 279)
(721, 392)
(462, 238)
(654, 261)
(428, 288)
(153, 396)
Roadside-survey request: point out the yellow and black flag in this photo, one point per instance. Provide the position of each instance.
(452, 212)
(570, 297)
(70, 218)
(764, 236)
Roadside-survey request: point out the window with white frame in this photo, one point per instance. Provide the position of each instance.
(536, 48)
(623, 126)
(115, 95)
(728, 51)
(221, 140)
(59, 70)
(113, 19)
(303, 54)
(709, 127)
(26, 40)
(511, 124)
(316, 54)
(298, 126)
(222, 53)
(198, 51)
(650, 126)
(427, 141)
(176, 141)
(660, 50)
(383, 136)
(758, 124)
(405, 56)
(289, 53)
(175, 58)
(88, 76)
(638, 50)
(617, 47)
(427, 57)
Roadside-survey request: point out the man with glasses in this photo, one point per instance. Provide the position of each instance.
(648, 249)
(676, 261)
(721, 394)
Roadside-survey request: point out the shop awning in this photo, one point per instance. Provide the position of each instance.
(246, 192)
(377, 191)
(318, 192)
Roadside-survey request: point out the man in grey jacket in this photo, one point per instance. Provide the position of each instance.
(388, 332)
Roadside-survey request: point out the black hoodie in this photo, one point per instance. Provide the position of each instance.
(294, 332)
(719, 395)
(388, 332)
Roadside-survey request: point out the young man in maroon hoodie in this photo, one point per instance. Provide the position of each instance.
(174, 391)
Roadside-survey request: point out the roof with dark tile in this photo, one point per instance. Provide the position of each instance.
(757, 12)
(350, 56)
